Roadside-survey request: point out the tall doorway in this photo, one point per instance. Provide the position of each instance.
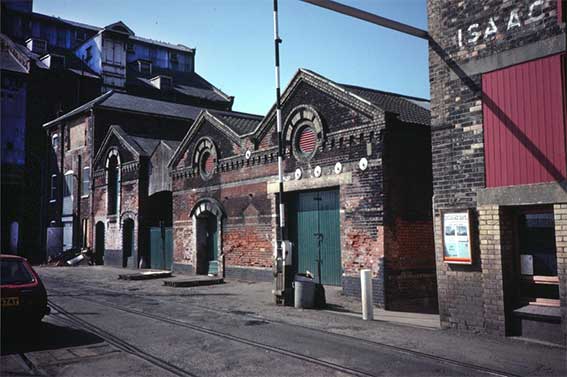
(127, 242)
(207, 244)
(314, 226)
(99, 243)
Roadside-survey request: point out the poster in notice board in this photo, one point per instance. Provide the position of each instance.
(457, 237)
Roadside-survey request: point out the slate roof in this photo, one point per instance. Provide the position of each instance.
(146, 145)
(241, 123)
(9, 63)
(178, 46)
(410, 109)
(98, 28)
(127, 102)
(143, 145)
(184, 83)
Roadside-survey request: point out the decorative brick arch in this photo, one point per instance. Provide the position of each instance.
(203, 212)
(300, 118)
(208, 205)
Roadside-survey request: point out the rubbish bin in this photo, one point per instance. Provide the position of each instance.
(304, 292)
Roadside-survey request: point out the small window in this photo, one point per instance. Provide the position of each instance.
(113, 185)
(145, 67)
(55, 141)
(130, 47)
(61, 37)
(208, 164)
(68, 189)
(85, 233)
(80, 35)
(85, 187)
(53, 195)
(173, 57)
(67, 133)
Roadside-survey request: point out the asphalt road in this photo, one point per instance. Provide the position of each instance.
(98, 330)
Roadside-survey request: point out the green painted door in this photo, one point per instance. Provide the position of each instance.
(315, 232)
(212, 245)
(161, 248)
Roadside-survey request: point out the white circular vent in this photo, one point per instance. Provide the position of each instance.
(248, 154)
(317, 171)
(338, 168)
(298, 173)
(363, 163)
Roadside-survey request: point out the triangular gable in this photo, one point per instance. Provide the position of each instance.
(204, 115)
(120, 27)
(123, 137)
(322, 83)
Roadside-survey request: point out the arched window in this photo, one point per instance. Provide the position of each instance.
(113, 183)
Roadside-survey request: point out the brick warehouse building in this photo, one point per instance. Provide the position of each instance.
(132, 197)
(497, 74)
(74, 63)
(151, 88)
(348, 176)
(78, 197)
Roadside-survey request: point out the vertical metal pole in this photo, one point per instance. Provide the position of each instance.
(277, 42)
(280, 211)
(280, 208)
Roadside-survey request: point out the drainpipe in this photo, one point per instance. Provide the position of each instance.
(433, 217)
(78, 219)
(91, 183)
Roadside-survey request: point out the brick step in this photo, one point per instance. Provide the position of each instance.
(538, 322)
(145, 275)
(193, 281)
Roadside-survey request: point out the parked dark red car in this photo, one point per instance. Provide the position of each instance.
(23, 296)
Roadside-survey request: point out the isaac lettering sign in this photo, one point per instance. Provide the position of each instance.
(508, 23)
(456, 237)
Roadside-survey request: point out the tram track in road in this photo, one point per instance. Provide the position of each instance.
(121, 344)
(399, 349)
(266, 347)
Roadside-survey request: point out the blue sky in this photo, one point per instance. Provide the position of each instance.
(234, 41)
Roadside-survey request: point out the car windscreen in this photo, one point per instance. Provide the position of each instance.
(14, 272)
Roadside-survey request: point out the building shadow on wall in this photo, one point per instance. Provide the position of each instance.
(487, 101)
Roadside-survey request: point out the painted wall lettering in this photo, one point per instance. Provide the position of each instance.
(517, 18)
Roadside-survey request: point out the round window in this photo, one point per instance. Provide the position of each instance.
(303, 133)
(208, 162)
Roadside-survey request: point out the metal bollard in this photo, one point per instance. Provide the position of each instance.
(366, 292)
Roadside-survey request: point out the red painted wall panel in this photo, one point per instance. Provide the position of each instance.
(524, 123)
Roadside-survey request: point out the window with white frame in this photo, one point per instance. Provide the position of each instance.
(53, 191)
(55, 141)
(85, 186)
(113, 182)
(68, 188)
